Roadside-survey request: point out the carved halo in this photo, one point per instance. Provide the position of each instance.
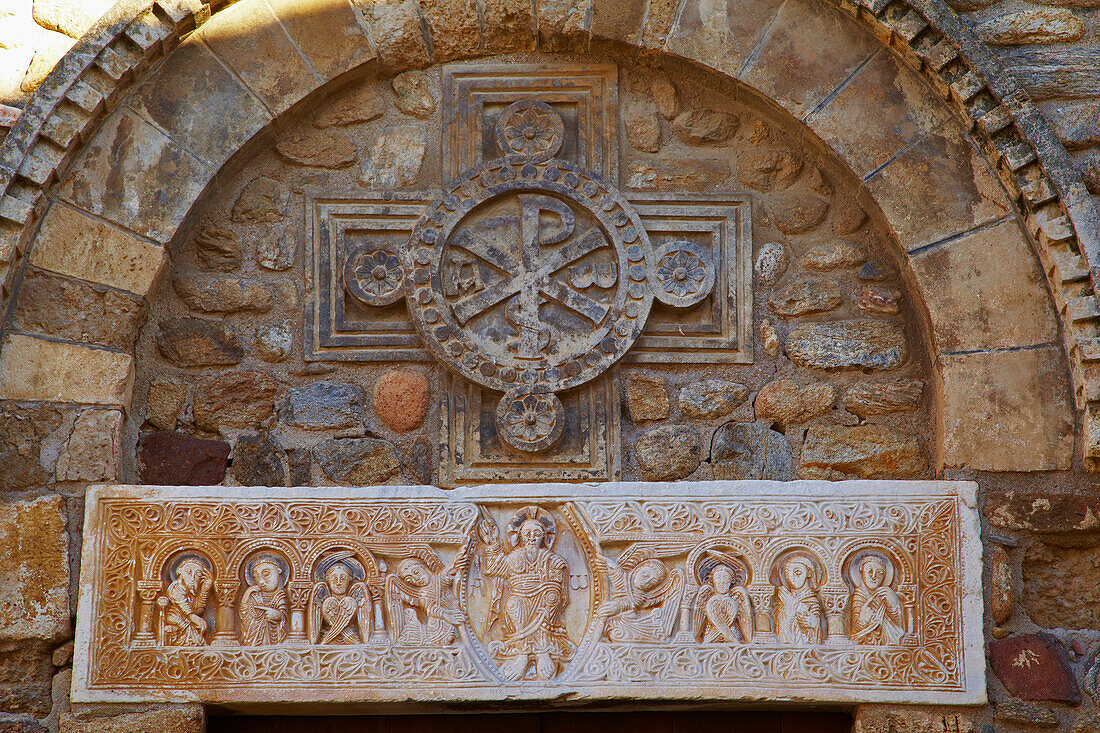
(537, 514)
(851, 567)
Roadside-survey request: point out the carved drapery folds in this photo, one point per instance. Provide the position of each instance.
(662, 590)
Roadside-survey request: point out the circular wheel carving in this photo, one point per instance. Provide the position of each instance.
(529, 275)
(530, 421)
(374, 277)
(683, 274)
(530, 129)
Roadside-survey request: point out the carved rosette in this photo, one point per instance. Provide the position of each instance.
(530, 421)
(684, 274)
(374, 276)
(530, 129)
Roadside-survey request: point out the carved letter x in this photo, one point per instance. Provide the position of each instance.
(530, 276)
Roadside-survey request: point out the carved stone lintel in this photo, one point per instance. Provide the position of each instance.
(834, 592)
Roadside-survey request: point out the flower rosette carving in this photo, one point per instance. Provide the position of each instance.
(531, 129)
(684, 273)
(530, 421)
(374, 276)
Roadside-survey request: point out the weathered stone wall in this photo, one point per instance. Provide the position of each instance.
(68, 415)
(1051, 48)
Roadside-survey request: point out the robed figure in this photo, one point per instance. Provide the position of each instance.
(645, 598)
(875, 614)
(531, 596)
(420, 612)
(799, 614)
(264, 611)
(723, 609)
(184, 604)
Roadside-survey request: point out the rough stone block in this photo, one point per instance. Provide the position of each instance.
(1062, 586)
(34, 369)
(562, 24)
(1045, 512)
(794, 67)
(178, 459)
(985, 291)
(327, 32)
(864, 451)
(508, 25)
(885, 108)
(251, 41)
(77, 311)
(395, 29)
(131, 173)
(92, 451)
(227, 117)
(323, 406)
(1007, 410)
(166, 719)
(721, 34)
(453, 27)
(25, 430)
(938, 188)
(1034, 667)
(74, 244)
(34, 570)
(401, 398)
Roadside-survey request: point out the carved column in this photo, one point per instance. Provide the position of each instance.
(146, 607)
(225, 625)
(299, 598)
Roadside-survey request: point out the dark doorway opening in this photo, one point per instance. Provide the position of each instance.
(564, 722)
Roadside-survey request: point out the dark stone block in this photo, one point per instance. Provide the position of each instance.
(1034, 667)
(177, 458)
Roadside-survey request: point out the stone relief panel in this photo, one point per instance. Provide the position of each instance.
(634, 272)
(739, 590)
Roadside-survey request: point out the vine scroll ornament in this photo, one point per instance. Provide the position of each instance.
(840, 592)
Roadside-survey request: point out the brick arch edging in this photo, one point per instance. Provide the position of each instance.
(101, 69)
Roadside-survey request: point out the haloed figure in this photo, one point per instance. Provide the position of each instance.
(799, 615)
(645, 598)
(419, 615)
(264, 608)
(876, 615)
(726, 609)
(532, 596)
(185, 604)
(340, 606)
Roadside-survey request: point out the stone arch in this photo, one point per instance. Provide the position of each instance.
(103, 167)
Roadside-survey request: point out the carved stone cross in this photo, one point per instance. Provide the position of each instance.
(530, 274)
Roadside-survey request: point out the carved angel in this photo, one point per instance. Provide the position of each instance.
(799, 615)
(340, 606)
(184, 604)
(419, 613)
(722, 611)
(645, 598)
(264, 611)
(875, 609)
